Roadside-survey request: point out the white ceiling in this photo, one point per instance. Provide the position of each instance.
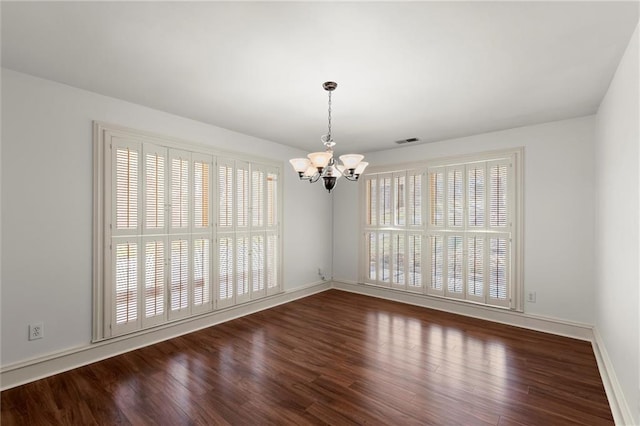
(428, 70)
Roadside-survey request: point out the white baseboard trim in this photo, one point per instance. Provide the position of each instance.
(518, 319)
(37, 368)
(618, 403)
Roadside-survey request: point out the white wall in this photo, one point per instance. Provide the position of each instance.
(46, 231)
(558, 210)
(617, 217)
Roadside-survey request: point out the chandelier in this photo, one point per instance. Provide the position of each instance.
(323, 165)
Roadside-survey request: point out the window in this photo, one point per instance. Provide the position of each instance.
(446, 228)
(179, 231)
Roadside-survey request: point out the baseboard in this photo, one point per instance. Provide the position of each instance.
(532, 322)
(37, 368)
(618, 403)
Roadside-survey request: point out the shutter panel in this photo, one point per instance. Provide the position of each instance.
(242, 270)
(476, 195)
(371, 256)
(371, 204)
(437, 271)
(454, 265)
(455, 197)
(225, 271)
(414, 201)
(155, 160)
(498, 269)
(179, 278)
(475, 267)
(154, 282)
(272, 199)
(399, 199)
(201, 275)
(242, 195)
(272, 261)
(180, 190)
(257, 265)
(225, 195)
(127, 185)
(414, 262)
(498, 195)
(201, 192)
(398, 264)
(257, 198)
(126, 288)
(385, 201)
(436, 198)
(384, 259)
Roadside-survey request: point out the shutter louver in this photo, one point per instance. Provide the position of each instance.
(498, 197)
(476, 197)
(179, 193)
(154, 279)
(455, 263)
(201, 278)
(179, 274)
(415, 199)
(437, 262)
(242, 197)
(154, 191)
(126, 188)
(498, 275)
(385, 255)
(398, 259)
(126, 289)
(475, 266)
(257, 194)
(371, 204)
(225, 268)
(399, 202)
(371, 256)
(415, 261)
(454, 197)
(243, 264)
(225, 188)
(436, 192)
(201, 195)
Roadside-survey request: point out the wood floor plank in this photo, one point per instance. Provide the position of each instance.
(332, 358)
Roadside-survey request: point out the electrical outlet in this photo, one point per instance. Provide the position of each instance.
(36, 331)
(531, 297)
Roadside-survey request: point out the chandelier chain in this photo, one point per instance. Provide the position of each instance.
(329, 134)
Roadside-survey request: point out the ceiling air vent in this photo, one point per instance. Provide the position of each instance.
(409, 140)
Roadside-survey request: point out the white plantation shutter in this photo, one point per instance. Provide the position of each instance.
(384, 200)
(399, 199)
(455, 197)
(398, 260)
(179, 278)
(371, 256)
(498, 195)
(455, 264)
(436, 264)
(371, 204)
(201, 192)
(155, 281)
(499, 269)
(155, 176)
(414, 198)
(243, 248)
(272, 261)
(225, 271)
(436, 197)
(225, 194)
(159, 257)
(242, 195)
(179, 163)
(414, 262)
(476, 195)
(384, 256)
(201, 274)
(476, 260)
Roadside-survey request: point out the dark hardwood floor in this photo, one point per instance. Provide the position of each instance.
(332, 358)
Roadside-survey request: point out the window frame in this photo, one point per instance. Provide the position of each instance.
(516, 185)
(104, 189)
